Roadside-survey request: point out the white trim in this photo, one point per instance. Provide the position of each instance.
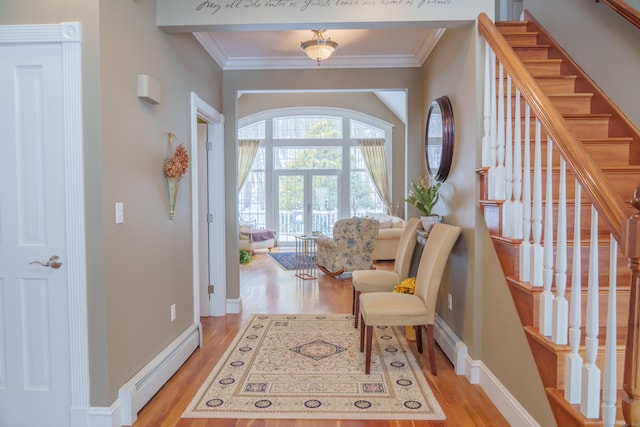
(105, 417)
(69, 36)
(453, 347)
(217, 247)
(136, 392)
(506, 403)
(478, 373)
(234, 305)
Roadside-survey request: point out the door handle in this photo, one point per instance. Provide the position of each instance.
(54, 262)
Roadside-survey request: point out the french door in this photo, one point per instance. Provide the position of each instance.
(306, 202)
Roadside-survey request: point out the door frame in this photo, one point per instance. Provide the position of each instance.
(68, 36)
(215, 167)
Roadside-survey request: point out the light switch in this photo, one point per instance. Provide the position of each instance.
(119, 212)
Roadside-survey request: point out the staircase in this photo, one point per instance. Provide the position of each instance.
(560, 164)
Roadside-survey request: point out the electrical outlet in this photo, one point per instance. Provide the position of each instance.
(173, 312)
(449, 301)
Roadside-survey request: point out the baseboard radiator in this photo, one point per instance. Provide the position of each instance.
(134, 394)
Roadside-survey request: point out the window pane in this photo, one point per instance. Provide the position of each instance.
(364, 197)
(307, 158)
(253, 131)
(361, 130)
(312, 127)
(251, 201)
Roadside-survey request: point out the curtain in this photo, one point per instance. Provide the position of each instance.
(376, 161)
(247, 149)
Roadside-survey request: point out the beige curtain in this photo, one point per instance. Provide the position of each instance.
(247, 149)
(376, 161)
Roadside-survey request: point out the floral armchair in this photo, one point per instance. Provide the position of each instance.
(350, 248)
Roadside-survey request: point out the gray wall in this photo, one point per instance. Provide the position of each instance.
(138, 269)
(148, 259)
(483, 312)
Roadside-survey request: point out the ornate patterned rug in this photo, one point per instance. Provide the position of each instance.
(310, 367)
(287, 260)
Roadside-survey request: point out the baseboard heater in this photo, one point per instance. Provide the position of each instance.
(134, 394)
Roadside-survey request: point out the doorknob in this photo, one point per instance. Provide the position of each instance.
(54, 262)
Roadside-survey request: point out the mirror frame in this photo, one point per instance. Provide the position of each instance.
(441, 173)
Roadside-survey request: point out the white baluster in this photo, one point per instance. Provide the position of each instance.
(609, 396)
(525, 246)
(500, 172)
(493, 158)
(590, 401)
(489, 79)
(560, 303)
(517, 171)
(573, 363)
(546, 297)
(507, 214)
(536, 215)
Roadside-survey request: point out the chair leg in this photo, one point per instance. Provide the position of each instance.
(356, 307)
(418, 329)
(432, 350)
(367, 356)
(361, 334)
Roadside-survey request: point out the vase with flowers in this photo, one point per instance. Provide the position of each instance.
(424, 197)
(175, 168)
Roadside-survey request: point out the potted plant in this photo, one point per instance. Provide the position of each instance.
(424, 197)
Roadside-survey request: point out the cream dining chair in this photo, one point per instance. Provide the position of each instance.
(385, 280)
(418, 309)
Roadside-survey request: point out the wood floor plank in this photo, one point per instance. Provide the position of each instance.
(266, 288)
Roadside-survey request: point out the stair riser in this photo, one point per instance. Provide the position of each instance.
(509, 27)
(582, 127)
(521, 39)
(575, 104)
(553, 361)
(550, 85)
(493, 218)
(528, 303)
(509, 256)
(622, 181)
(532, 52)
(549, 67)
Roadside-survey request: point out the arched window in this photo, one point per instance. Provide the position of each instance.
(309, 171)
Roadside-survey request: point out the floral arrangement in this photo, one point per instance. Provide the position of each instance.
(406, 286)
(176, 166)
(423, 196)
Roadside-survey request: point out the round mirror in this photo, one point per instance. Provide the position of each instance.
(438, 142)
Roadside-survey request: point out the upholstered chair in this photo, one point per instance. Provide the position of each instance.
(385, 280)
(418, 309)
(350, 248)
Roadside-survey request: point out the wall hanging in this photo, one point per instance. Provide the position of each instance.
(175, 168)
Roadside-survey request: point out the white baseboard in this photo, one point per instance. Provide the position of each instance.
(105, 417)
(234, 305)
(478, 373)
(141, 387)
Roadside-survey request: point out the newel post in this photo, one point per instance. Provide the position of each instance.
(631, 383)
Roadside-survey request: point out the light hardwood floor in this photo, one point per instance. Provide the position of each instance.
(266, 288)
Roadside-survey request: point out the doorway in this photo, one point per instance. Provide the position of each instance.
(307, 202)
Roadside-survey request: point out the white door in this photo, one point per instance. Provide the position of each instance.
(34, 312)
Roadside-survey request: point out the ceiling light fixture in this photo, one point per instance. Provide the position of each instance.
(318, 48)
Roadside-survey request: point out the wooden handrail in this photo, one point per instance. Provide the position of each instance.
(586, 171)
(627, 11)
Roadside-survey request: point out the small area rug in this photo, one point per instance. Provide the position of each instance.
(310, 367)
(287, 260)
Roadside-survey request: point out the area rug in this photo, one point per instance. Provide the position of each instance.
(310, 367)
(287, 260)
